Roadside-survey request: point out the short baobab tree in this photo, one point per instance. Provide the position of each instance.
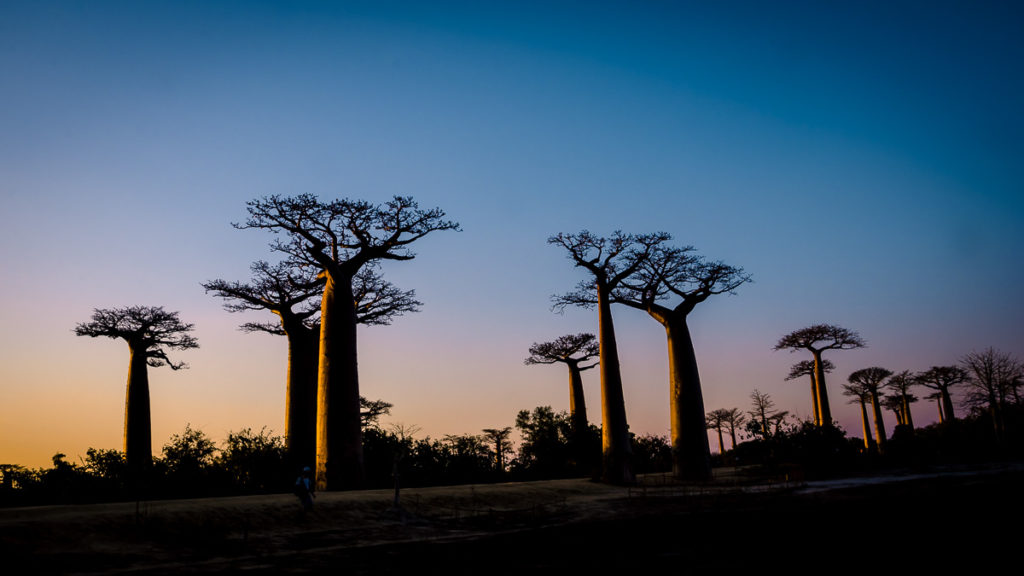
(806, 368)
(763, 414)
(150, 332)
(500, 438)
(870, 380)
(941, 379)
(338, 238)
(609, 261)
(901, 384)
(734, 418)
(672, 274)
(715, 420)
(573, 350)
(817, 339)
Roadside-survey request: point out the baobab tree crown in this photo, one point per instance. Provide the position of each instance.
(568, 348)
(821, 337)
(147, 329)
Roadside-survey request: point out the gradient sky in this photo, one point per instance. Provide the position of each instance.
(862, 163)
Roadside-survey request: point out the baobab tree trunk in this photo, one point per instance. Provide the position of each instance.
(908, 419)
(814, 401)
(577, 402)
(864, 425)
(947, 406)
(615, 444)
(691, 455)
(301, 402)
(879, 424)
(824, 412)
(339, 435)
(138, 444)
(732, 436)
(721, 443)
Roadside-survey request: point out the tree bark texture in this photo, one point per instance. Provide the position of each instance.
(864, 425)
(824, 411)
(138, 443)
(616, 447)
(691, 454)
(814, 401)
(301, 400)
(339, 455)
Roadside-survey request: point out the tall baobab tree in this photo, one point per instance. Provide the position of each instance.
(671, 273)
(150, 332)
(900, 384)
(293, 294)
(862, 395)
(573, 350)
(339, 238)
(870, 379)
(806, 368)
(609, 261)
(817, 339)
(941, 379)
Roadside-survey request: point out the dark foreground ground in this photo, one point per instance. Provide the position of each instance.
(946, 521)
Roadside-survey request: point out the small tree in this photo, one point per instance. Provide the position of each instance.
(715, 420)
(900, 384)
(573, 350)
(861, 395)
(993, 377)
(817, 339)
(150, 332)
(763, 414)
(942, 379)
(502, 445)
(870, 380)
(735, 419)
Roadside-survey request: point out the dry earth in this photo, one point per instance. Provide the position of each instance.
(937, 520)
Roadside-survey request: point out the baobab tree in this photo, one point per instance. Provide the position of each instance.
(734, 418)
(573, 350)
(860, 394)
(763, 413)
(941, 379)
(293, 294)
(870, 379)
(900, 384)
(817, 339)
(671, 273)
(150, 332)
(715, 420)
(338, 238)
(499, 436)
(609, 261)
(806, 368)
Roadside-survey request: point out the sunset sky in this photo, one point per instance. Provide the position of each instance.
(865, 164)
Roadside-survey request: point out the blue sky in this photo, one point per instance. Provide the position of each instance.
(861, 162)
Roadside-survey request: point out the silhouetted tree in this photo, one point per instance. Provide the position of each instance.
(609, 261)
(806, 368)
(339, 238)
(762, 414)
(499, 436)
(150, 332)
(370, 411)
(941, 379)
(993, 376)
(545, 450)
(715, 420)
(900, 384)
(734, 418)
(256, 462)
(861, 395)
(670, 273)
(571, 350)
(870, 379)
(817, 339)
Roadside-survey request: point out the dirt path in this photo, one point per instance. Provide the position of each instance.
(538, 527)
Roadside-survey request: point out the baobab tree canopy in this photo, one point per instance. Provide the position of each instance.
(150, 332)
(817, 339)
(571, 347)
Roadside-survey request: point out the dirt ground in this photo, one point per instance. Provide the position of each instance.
(935, 520)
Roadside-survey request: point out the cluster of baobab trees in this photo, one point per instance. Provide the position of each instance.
(328, 281)
(988, 380)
